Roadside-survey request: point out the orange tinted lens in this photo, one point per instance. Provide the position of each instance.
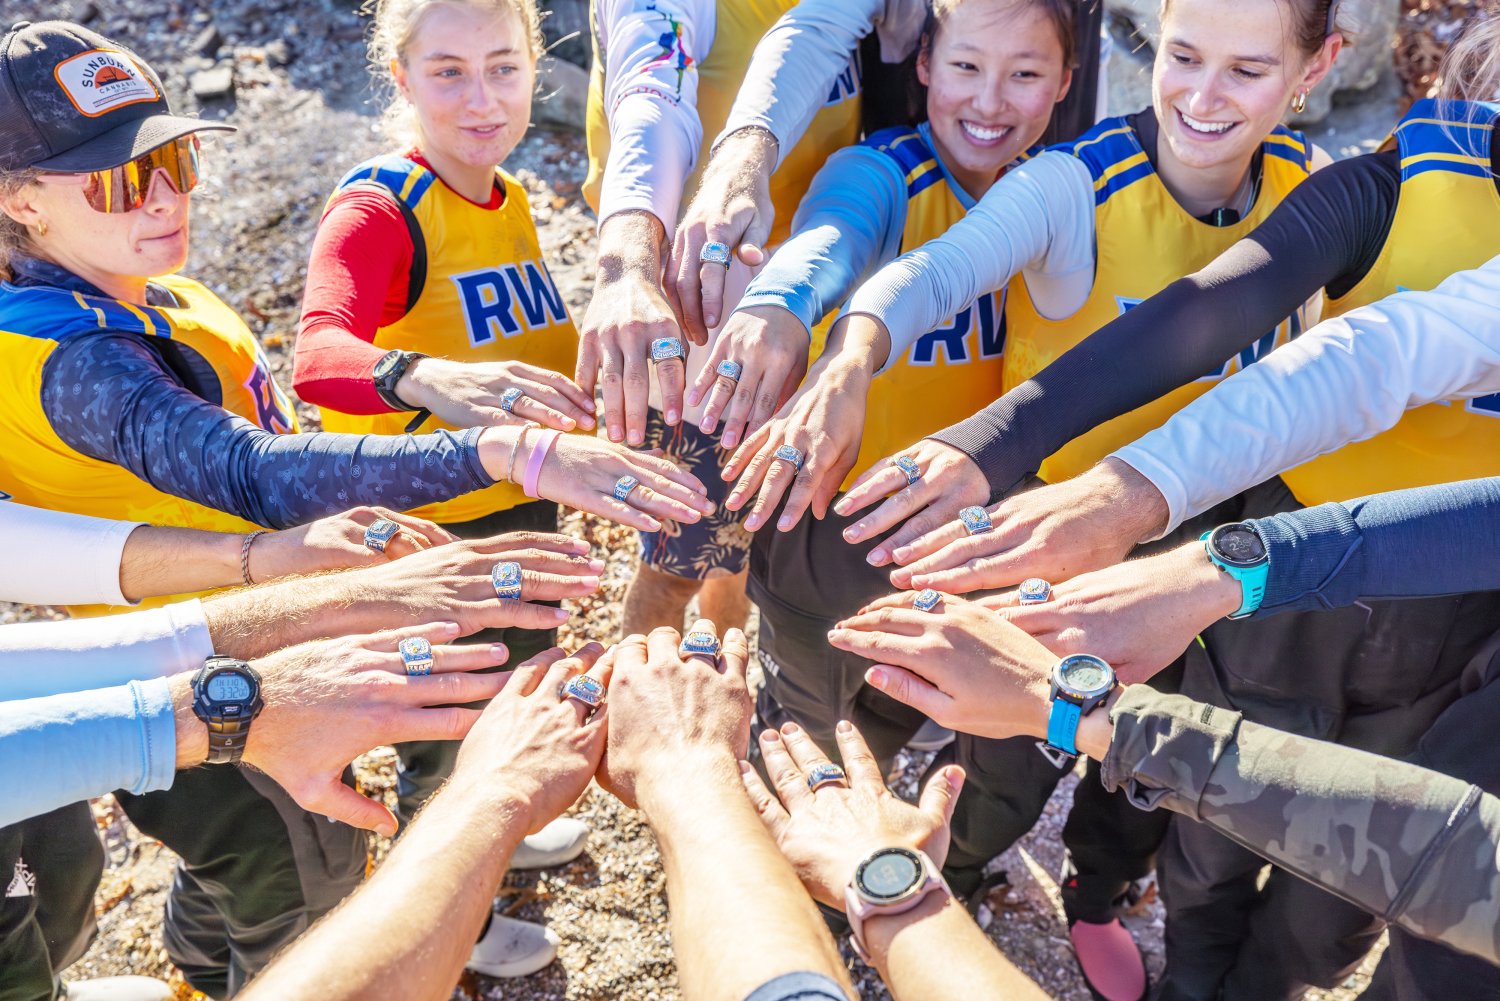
(124, 188)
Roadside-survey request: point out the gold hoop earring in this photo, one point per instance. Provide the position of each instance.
(41, 228)
(1299, 103)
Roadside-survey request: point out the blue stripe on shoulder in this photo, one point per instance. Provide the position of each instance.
(1109, 142)
(1293, 146)
(54, 314)
(393, 172)
(1123, 180)
(903, 145)
(1455, 128)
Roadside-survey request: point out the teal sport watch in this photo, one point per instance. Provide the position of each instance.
(1238, 550)
(1080, 684)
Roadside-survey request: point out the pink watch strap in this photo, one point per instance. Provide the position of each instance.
(538, 456)
(858, 909)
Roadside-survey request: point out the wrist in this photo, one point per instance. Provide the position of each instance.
(1143, 509)
(673, 778)
(882, 930)
(414, 386)
(1096, 731)
(632, 247)
(192, 735)
(749, 146)
(497, 448)
(1213, 593)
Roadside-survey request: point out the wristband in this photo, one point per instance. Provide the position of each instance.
(245, 554)
(538, 456)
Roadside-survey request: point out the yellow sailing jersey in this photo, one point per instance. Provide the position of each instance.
(740, 26)
(950, 372)
(39, 468)
(1447, 218)
(1144, 240)
(487, 296)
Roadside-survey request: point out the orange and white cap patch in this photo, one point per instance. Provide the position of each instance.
(101, 80)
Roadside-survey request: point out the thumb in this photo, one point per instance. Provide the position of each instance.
(940, 795)
(752, 248)
(337, 801)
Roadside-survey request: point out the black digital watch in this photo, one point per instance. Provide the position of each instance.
(388, 371)
(226, 697)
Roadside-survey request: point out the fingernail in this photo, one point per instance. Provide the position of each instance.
(876, 677)
(842, 507)
(903, 553)
(710, 320)
(499, 650)
(729, 440)
(592, 583)
(844, 726)
(636, 438)
(451, 628)
(770, 734)
(746, 768)
(588, 422)
(877, 557)
(790, 728)
(652, 525)
(569, 422)
(386, 830)
(783, 523)
(560, 614)
(954, 776)
(692, 398)
(708, 422)
(596, 565)
(672, 416)
(614, 434)
(752, 523)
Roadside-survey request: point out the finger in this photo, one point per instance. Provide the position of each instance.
(747, 451)
(442, 688)
(541, 586)
(766, 400)
(671, 375)
(662, 645)
(897, 620)
(721, 394)
(962, 549)
(336, 801)
(787, 779)
(736, 651)
(880, 480)
(637, 397)
(589, 661)
(978, 574)
(534, 409)
(881, 646)
(713, 278)
(387, 640)
(667, 498)
(929, 544)
(688, 285)
(780, 475)
(631, 653)
(1000, 601)
(741, 402)
(444, 723)
(656, 464)
(550, 541)
(580, 399)
(911, 689)
(940, 795)
(771, 812)
(401, 545)
(623, 514)
(430, 533)
(586, 373)
(524, 679)
(859, 762)
(921, 522)
(468, 657)
(612, 389)
(807, 486)
(800, 746)
(708, 374)
(520, 615)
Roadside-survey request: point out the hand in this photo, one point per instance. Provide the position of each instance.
(961, 664)
(950, 482)
(329, 701)
(337, 542)
(825, 834)
(1053, 532)
(467, 394)
(453, 583)
(666, 709)
(530, 741)
(772, 346)
(732, 207)
(825, 421)
(1138, 615)
(582, 472)
(628, 312)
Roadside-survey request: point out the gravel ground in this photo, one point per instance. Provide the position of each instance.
(301, 101)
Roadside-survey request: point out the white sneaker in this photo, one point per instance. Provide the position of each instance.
(931, 737)
(559, 843)
(118, 989)
(512, 948)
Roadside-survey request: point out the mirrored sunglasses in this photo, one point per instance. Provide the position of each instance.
(124, 188)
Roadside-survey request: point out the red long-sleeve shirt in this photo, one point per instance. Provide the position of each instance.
(356, 284)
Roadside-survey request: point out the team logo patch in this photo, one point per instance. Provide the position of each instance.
(101, 80)
(22, 881)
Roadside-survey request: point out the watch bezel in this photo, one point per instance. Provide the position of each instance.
(1225, 558)
(206, 706)
(1060, 681)
(880, 900)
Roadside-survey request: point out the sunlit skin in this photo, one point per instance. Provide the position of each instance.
(469, 74)
(1225, 74)
(115, 251)
(993, 73)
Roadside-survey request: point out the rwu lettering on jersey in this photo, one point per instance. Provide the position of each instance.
(505, 301)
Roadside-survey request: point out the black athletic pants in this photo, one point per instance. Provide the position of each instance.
(425, 764)
(49, 870)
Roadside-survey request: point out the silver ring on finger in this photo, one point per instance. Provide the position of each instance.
(584, 689)
(699, 643)
(666, 348)
(714, 252)
(1034, 591)
(976, 520)
(908, 467)
(505, 577)
(416, 656)
(790, 454)
(510, 398)
(731, 370)
(623, 487)
(926, 600)
(825, 774)
(380, 533)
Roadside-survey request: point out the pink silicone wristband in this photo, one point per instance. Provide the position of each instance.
(538, 456)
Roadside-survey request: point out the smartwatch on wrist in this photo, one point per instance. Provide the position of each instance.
(226, 697)
(1238, 550)
(888, 881)
(388, 371)
(1080, 684)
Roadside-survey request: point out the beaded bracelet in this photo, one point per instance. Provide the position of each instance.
(245, 553)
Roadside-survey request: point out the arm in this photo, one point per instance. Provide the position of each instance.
(56, 558)
(1345, 380)
(527, 758)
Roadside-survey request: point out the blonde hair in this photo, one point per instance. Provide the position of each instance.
(13, 235)
(1470, 70)
(394, 23)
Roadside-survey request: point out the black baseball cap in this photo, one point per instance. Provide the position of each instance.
(73, 101)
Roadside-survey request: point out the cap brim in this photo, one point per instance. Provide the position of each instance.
(127, 141)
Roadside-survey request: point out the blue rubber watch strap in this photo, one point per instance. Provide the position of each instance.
(1252, 581)
(1062, 726)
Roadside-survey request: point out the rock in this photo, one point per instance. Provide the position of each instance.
(208, 41)
(213, 84)
(279, 52)
(1371, 23)
(565, 26)
(562, 94)
(86, 12)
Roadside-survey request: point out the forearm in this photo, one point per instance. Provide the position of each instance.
(256, 621)
(160, 560)
(632, 245)
(1408, 543)
(1403, 842)
(735, 926)
(66, 748)
(425, 905)
(902, 947)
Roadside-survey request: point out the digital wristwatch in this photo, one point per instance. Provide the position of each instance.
(226, 697)
(1238, 550)
(1080, 684)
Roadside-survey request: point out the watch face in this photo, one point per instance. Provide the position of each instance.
(890, 873)
(1238, 545)
(228, 686)
(386, 364)
(1084, 675)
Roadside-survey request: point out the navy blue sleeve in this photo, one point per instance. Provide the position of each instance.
(799, 987)
(1404, 544)
(110, 397)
